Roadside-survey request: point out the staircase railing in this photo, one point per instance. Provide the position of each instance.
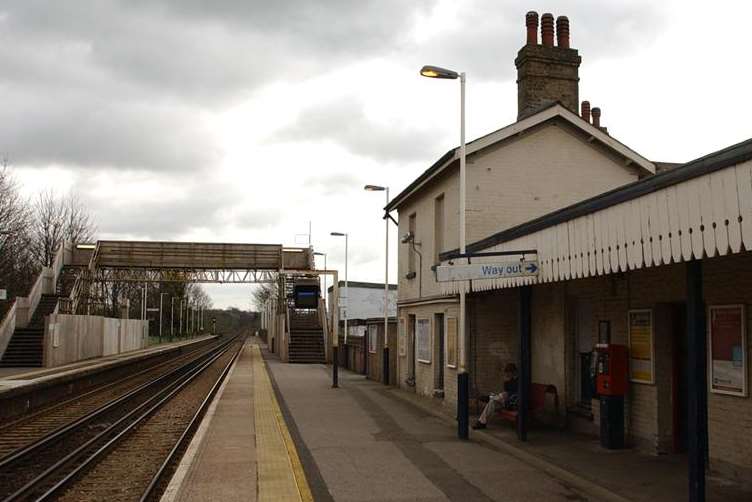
(23, 308)
(83, 282)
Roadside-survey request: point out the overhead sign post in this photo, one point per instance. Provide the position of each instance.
(473, 271)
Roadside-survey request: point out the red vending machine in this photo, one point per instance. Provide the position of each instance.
(611, 383)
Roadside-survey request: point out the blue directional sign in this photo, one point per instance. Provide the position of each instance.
(504, 270)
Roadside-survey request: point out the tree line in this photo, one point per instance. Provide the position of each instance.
(33, 229)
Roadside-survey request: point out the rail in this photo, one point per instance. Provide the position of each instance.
(173, 381)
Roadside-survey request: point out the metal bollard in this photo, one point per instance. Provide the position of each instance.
(463, 404)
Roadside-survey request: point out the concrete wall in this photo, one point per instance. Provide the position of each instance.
(71, 338)
(542, 170)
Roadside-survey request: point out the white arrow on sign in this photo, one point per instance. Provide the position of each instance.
(504, 270)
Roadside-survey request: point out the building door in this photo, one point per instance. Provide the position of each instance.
(438, 374)
(411, 350)
(679, 382)
(584, 336)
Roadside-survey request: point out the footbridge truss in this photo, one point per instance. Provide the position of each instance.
(153, 261)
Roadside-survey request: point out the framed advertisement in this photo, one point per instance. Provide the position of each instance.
(641, 346)
(402, 336)
(373, 334)
(423, 340)
(451, 342)
(727, 350)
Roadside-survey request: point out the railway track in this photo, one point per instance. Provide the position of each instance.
(121, 450)
(25, 430)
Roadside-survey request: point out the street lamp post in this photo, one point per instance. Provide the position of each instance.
(463, 378)
(347, 304)
(161, 296)
(376, 188)
(172, 317)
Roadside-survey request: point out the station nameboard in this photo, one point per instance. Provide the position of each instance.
(503, 270)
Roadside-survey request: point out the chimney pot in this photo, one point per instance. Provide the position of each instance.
(596, 117)
(531, 22)
(547, 29)
(562, 32)
(585, 111)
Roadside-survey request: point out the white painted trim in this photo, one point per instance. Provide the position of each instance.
(707, 216)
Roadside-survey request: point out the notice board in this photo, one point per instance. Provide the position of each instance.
(727, 350)
(641, 347)
(451, 342)
(423, 340)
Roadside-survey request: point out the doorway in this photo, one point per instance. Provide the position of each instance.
(679, 377)
(584, 336)
(438, 374)
(411, 350)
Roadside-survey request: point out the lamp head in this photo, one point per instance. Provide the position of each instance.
(407, 238)
(374, 188)
(338, 234)
(431, 71)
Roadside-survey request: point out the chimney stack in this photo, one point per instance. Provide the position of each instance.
(562, 32)
(547, 73)
(585, 113)
(531, 21)
(547, 29)
(597, 117)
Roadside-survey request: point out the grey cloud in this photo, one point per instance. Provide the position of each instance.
(202, 204)
(344, 122)
(112, 83)
(489, 33)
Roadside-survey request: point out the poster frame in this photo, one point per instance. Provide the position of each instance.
(430, 341)
(373, 337)
(745, 370)
(402, 332)
(456, 341)
(652, 345)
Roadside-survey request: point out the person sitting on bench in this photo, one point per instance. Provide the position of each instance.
(505, 399)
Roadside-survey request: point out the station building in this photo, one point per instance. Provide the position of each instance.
(648, 255)
(548, 159)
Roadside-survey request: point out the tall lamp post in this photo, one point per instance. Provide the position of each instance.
(376, 188)
(347, 297)
(463, 378)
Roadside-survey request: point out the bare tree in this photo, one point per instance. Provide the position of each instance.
(262, 294)
(57, 219)
(17, 269)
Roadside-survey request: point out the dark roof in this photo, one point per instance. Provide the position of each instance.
(704, 165)
(369, 285)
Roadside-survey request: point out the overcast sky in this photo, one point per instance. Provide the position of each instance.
(241, 120)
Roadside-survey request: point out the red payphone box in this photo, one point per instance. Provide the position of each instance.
(611, 371)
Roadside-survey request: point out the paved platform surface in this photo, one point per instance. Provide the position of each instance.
(362, 443)
(368, 442)
(243, 449)
(13, 378)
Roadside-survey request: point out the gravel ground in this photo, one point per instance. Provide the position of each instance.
(127, 470)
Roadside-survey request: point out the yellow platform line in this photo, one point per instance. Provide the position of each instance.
(280, 472)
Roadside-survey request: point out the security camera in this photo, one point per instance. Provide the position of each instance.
(406, 238)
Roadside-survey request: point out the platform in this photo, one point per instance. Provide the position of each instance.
(22, 389)
(242, 450)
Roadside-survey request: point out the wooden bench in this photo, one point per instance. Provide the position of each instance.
(537, 401)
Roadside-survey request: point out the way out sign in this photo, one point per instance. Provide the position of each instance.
(503, 270)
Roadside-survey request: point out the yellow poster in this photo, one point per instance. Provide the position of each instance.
(641, 365)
